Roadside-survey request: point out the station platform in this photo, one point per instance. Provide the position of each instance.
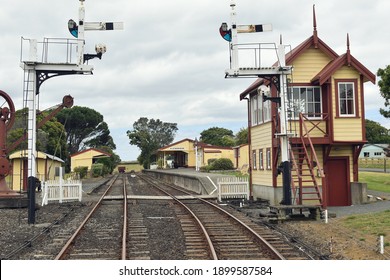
(209, 181)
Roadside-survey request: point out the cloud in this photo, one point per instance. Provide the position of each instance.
(169, 60)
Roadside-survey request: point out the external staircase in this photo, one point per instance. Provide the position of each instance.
(306, 169)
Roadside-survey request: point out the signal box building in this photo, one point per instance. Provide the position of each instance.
(326, 126)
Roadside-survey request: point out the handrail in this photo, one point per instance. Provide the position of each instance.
(313, 153)
(294, 162)
(315, 125)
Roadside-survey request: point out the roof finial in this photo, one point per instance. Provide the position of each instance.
(315, 34)
(281, 39)
(348, 51)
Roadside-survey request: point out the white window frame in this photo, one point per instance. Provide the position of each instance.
(261, 159)
(346, 99)
(298, 105)
(254, 159)
(268, 158)
(254, 109)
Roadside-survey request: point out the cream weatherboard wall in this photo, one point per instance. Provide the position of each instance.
(307, 65)
(347, 128)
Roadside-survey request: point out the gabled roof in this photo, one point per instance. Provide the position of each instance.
(336, 61)
(344, 60)
(200, 145)
(42, 155)
(313, 41)
(381, 146)
(174, 144)
(102, 153)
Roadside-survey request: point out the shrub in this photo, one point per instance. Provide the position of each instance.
(82, 171)
(222, 164)
(205, 168)
(97, 170)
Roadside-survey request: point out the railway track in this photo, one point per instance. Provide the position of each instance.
(99, 234)
(133, 219)
(211, 232)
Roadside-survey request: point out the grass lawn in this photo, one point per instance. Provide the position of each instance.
(370, 225)
(376, 181)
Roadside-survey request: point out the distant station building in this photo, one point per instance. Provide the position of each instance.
(86, 158)
(191, 153)
(326, 126)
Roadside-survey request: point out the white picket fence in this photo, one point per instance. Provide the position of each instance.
(233, 187)
(61, 191)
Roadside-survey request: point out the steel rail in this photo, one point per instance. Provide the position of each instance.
(66, 247)
(124, 230)
(45, 231)
(205, 233)
(272, 249)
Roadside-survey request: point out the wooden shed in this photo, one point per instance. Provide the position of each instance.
(46, 166)
(86, 158)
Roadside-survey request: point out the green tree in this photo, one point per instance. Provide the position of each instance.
(50, 137)
(56, 138)
(150, 135)
(242, 136)
(376, 134)
(101, 137)
(384, 86)
(218, 136)
(84, 128)
(110, 162)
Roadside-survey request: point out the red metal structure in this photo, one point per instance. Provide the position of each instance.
(7, 118)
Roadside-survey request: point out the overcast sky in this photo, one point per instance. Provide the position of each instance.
(169, 61)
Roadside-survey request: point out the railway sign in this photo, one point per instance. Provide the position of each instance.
(251, 28)
(99, 26)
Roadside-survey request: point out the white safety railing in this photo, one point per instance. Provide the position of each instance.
(61, 190)
(233, 187)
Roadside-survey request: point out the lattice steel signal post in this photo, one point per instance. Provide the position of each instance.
(39, 69)
(275, 74)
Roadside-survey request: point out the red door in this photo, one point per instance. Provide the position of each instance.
(338, 181)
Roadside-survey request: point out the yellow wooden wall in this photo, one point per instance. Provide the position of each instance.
(243, 156)
(307, 65)
(347, 128)
(45, 169)
(261, 139)
(217, 154)
(186, 146)
(83, 159)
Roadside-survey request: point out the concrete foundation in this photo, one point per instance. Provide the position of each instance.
(188, 182)
(358, 193)
(273, 195)
(13, 202)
